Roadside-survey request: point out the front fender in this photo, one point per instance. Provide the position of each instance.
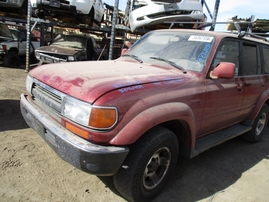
(154, 116)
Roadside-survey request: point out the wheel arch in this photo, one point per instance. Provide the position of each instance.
(177, 117)
(13, 50)
(182, 130)
(264, 99)
(91, 13)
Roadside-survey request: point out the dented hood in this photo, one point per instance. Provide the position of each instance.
(89, 80)
(60, 50)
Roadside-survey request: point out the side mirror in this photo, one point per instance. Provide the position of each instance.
(224, 70)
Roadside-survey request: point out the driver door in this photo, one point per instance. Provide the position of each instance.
(224, 97)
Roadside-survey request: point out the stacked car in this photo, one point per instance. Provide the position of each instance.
(141, 13)
(84, 11)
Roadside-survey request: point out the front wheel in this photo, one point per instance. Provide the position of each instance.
(148, 166)
(11, 60)
(259, 126)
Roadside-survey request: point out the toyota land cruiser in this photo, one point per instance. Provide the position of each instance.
(174, 92)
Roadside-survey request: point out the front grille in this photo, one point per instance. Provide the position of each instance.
(169, 13)
(57, 55)
(47, 98)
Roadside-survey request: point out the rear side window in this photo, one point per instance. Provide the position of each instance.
(266, 59)
(250, 58)
(22, 36)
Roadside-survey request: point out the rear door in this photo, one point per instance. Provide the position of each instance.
(265, 66)
(251, 74)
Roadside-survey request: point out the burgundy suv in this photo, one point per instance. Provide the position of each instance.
(174, 92)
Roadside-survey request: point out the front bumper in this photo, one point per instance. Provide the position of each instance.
(145, 20)
(91, 158)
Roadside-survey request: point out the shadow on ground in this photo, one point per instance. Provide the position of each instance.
(210, 172)
(10, 115)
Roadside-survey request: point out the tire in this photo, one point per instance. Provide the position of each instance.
(148, 166)
(87, 20)
(11, 60)
(259, 126)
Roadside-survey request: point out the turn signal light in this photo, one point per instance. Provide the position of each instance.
(102, 118)
(77, 130)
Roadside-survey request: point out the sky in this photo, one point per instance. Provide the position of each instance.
(227, 9)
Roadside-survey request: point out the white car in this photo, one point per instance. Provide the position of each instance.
(85, 11)
(140, 13)
(13, 42)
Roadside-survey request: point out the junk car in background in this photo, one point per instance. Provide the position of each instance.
(141, 13)
(68, 48)
(85, 11)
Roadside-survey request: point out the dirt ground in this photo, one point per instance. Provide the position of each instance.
(31, 171)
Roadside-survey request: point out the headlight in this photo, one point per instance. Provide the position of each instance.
(196, 12)
(87, 115)
(76, 110)
(71, 58)
(37, 55)
(29, 83)
(3, 48)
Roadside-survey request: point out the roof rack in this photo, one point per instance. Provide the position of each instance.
(242, 34)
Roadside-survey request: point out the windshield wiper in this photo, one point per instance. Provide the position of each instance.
(170, 62)
(133, 56)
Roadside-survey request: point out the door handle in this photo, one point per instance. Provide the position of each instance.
(239, 87)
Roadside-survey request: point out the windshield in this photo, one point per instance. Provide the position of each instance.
(4, 31)
(187, 50)
(70, 41)
(14, 33)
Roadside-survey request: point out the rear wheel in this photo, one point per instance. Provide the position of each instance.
(259, 126)
(148, 166)
(88, 19)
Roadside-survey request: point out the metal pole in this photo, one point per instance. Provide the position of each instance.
(204, 3)
(112, 36)
(28, 38)
(250, 26)
(215, 14)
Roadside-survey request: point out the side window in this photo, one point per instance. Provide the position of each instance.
(228, 51)
(22, 36)
(266, 59)
(250, 64)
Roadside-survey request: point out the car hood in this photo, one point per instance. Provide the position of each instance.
(60, 50)
(89, 80)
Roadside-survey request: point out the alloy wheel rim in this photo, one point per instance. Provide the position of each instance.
(156, 168)
(260, 124)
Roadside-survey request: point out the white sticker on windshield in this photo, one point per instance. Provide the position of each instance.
(201, 38)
